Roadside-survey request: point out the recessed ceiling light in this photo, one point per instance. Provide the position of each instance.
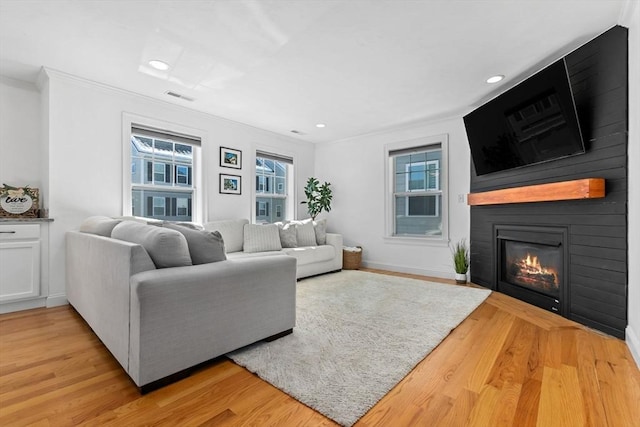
(159, 65)
(320, 125)
(495, 79)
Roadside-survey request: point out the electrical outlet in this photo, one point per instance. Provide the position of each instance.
(461, 198)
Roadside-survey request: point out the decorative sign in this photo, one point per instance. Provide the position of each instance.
(18, 202)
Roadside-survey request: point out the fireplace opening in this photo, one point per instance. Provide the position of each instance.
(531, 265)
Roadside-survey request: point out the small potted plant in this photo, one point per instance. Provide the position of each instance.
(318, 197)
(461, 261)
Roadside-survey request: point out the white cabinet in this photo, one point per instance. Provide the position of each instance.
(20, 254)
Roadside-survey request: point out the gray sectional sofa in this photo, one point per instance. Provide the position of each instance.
(164, 299)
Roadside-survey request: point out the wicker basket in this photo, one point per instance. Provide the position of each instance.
(351, 260)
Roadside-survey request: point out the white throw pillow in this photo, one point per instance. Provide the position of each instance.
(261, 238)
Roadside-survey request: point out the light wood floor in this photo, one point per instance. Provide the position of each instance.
(508, 364)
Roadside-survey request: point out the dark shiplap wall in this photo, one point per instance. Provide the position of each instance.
(598, 227)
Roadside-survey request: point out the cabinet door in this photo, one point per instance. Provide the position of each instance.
(19, 270)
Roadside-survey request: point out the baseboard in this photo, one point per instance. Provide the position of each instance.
(56, 300)
(26, 304)
(633, 343)
(409, 270)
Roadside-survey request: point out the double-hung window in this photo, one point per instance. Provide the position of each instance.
(162, 174)
(274, 185)
(416, 200)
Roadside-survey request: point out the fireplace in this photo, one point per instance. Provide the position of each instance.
(532, 265)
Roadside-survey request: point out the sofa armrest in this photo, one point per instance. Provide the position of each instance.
(97, 285)
(183, 316)
(335, 240)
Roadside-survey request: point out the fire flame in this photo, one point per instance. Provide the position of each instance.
(533, 263)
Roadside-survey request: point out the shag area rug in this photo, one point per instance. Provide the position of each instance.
(357, 335)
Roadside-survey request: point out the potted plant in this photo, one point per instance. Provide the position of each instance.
(461, 261)
(318, 197)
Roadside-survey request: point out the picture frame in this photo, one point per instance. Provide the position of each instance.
(230, 158)
(230, 184)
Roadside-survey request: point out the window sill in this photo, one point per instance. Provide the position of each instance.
(439, 241)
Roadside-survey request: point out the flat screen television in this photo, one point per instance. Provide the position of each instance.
(533, 122)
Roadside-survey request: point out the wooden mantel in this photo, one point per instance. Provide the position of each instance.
(588, 188)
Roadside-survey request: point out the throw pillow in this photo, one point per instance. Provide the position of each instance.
(261, 238)
(320, 227)
(287, 235)
(167, 248)
(191, 225)
(204, 246)
(232, 231)
(100, 225)
(305, 233)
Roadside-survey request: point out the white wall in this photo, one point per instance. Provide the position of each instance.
(631, 19)
(85, 163)
(20, 134)
(356, 170)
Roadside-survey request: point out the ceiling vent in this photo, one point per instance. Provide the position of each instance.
(178, 95)
(297, 132)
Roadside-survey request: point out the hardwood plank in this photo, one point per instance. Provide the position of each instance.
(508, 363)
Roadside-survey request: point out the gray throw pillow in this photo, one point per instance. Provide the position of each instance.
(320, 227)
(305, 233)
(167, 248)
(204, 246)
(261, 238)
(100, 225)
(191, 225)
(287, 235)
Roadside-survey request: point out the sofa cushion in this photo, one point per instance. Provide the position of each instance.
(191, 225)
(320, 227)
(204, 246)
(287, 235)
(305, 233)
(261, 238)
(232, 231)
(100, 225)
(311, 254)
(166, 247)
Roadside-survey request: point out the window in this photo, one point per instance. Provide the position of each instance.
(158, 206)
(416, 201)
(162, 171)
(273, 180)
(182, 206)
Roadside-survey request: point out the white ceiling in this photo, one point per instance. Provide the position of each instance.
(281, 65)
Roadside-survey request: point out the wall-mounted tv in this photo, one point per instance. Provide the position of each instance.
(533, 122)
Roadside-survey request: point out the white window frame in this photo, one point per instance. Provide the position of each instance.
(389, 191)
(200, 175)
(290, 195)
(423, 191)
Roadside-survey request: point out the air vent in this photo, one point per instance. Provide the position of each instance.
(297, 132)
(178, 95)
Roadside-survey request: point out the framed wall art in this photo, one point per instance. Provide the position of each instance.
(230, 158)
(230, 184)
